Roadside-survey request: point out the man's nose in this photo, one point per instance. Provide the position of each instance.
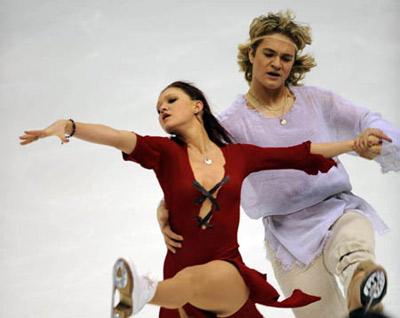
(277, 63)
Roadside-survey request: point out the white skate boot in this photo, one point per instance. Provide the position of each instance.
(134, 290)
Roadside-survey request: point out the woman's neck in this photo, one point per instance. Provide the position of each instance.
(196, 137)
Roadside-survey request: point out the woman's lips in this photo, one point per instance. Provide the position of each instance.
(165, 116)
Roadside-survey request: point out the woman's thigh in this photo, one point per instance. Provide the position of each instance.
(218, 287)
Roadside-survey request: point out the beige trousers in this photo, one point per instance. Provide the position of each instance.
(351, 241)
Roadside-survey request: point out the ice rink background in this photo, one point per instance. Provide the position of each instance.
(67, 212)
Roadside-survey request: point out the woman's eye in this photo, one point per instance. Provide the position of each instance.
(172, 100)
(287, 59)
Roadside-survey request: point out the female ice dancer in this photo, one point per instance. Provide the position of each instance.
(200, 173)
(324, 231)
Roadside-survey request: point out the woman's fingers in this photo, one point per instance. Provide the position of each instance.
(55, 129)
(26, 141)
(64, 139)
(31, 136)
(40, 132)
(27, 138)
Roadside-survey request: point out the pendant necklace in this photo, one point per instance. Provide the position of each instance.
(260, 107)
(207, 160)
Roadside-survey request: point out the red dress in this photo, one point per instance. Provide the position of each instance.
(184, 195)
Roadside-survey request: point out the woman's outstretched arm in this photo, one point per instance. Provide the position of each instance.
(368, 147)
(332, 149)
(95, 133)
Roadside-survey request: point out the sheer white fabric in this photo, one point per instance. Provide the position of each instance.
(298, 209)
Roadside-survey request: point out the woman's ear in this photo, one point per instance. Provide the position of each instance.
(198, 107)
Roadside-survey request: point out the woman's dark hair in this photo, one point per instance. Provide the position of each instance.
(214, 129)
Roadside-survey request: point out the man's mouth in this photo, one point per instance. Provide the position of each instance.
(274, 74)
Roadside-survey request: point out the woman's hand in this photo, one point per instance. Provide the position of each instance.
(57, 129)
(368, 144)
(172, 240)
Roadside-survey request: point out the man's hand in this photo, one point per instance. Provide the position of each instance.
(368, 144)
(172, 240)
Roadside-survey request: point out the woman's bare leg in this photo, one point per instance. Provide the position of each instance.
(216, 286)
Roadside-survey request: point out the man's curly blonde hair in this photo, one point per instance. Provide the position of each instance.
(281, 22)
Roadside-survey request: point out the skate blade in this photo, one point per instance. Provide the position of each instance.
(123, 284)
(373, 288)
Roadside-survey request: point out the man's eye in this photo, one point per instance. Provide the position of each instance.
(269, 54)
(287, 59)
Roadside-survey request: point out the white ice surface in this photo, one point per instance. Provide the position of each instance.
(67, 212)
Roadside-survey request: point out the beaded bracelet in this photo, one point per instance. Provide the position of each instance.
(73, 128)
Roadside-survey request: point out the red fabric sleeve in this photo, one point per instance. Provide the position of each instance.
(147, 152)
(296, 157)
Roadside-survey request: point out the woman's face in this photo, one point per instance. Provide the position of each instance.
(273, 61)
(176, 109)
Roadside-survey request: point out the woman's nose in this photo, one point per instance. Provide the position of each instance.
(163, 108)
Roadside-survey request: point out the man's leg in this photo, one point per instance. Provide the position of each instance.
(350, 254)
(314, 279)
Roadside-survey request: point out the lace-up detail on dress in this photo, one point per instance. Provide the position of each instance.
(204, 223)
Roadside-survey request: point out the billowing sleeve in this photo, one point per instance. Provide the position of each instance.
(296, 157)
(389, 159)
(349, 120)
(148, 152)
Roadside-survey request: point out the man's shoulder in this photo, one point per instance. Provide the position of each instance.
(310, 90)
(232, 110)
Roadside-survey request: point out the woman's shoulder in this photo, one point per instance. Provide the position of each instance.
(159, 141)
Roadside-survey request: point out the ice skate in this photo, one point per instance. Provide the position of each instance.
(367, 288)
(134, 291)
(123, 283)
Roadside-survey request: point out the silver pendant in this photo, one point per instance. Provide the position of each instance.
(283, 122)
(208, 161)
